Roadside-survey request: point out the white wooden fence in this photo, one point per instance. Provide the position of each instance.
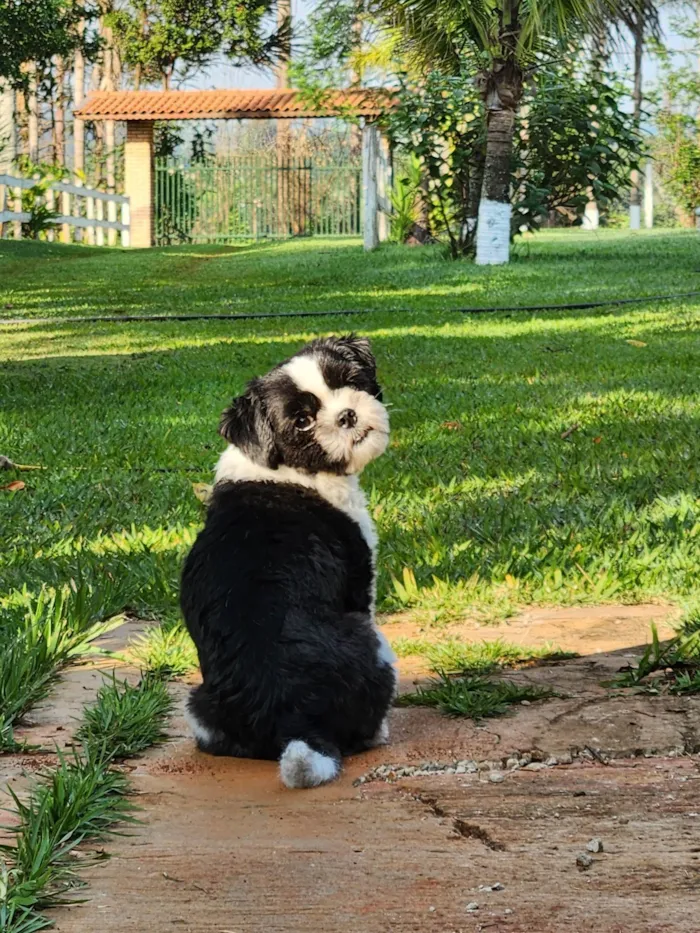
(79, 209)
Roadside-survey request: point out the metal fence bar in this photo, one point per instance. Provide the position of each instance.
(255, 196)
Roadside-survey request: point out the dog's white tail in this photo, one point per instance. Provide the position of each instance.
(301, 766)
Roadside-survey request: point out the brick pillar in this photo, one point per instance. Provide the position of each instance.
(139, 180)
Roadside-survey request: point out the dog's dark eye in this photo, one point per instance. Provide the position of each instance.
(303, 422)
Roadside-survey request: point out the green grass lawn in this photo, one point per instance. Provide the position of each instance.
(480, 503)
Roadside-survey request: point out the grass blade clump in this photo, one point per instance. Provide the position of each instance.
(38, 638)
(82, 798)
(672, 666)
(126, 719)
(473, 697)
(164, 651)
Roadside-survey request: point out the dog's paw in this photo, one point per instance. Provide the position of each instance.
(381, 736)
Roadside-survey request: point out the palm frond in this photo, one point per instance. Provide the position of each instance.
(437, 32)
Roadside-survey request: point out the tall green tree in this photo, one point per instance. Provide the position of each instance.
(509, 38)
(161, 39)
(34, 31)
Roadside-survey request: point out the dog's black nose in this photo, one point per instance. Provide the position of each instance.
(347, 418)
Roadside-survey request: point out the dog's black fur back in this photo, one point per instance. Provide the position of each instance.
(277, 596)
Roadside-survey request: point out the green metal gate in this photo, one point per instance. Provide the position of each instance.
(255, 197)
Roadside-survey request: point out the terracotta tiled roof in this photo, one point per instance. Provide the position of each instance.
(228, 104)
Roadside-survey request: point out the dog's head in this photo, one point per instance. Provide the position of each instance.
(320, 411)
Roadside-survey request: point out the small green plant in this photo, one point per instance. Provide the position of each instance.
(473, 697)
(38, 637)
(404, 196)
(35, 203)
(672, 666)
(407, 590)
(165, 651)
(16, 916)
(8, 743)
(82, 798)
(126, 719)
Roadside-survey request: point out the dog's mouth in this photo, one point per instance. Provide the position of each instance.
(365, 434)
(362, 436)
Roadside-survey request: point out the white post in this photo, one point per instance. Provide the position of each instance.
(126, 222)
(635, 217)
(99, 232)
(649, 195)
(112, 217)
(697, 218)
(51, 205)
(4, 205)
(370, 149)
(65, 210)
(79, 233)
(90, 215)
(17, 224)
(591, 216)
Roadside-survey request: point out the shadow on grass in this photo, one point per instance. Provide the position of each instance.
(333, 274)
(478, 491)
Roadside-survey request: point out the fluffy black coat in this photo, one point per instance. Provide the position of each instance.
(276, 594)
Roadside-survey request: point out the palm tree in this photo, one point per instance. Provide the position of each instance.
(510, 37)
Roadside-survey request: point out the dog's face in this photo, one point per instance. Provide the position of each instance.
(320, 411)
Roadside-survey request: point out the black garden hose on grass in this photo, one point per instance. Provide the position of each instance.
(258, 316)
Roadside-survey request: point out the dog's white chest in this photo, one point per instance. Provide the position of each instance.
(344, 493)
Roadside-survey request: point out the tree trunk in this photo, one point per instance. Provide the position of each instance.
(108, 83)
(471, 214)
(8, 133)
(636, 190)
(356, 79)
(32, 114)
(138, 70)
(591, 215)
(96, 168)
(284, 179)
(493, 231)
(78, 96)
(59, 115)
(284, 16)
(423, 219)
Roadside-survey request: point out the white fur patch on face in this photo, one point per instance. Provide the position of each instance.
(301, 766)
(307, 375)
(357, 446)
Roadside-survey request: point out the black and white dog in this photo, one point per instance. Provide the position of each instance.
(278, 590)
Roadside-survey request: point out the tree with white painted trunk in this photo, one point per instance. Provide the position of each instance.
(510, 38)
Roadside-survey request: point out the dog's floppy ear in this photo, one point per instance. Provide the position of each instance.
(246, 424)
(359, 349)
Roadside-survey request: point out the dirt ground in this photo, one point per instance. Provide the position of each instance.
(452, 827)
